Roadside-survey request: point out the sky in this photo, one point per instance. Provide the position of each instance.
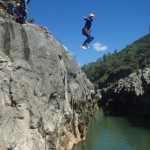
(117, 23)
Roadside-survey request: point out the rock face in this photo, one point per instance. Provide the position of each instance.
(45, 99)
(129, 95)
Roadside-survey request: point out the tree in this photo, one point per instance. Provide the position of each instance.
(31, 20)
(111, 67)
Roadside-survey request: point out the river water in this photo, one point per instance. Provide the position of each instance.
(117, 133)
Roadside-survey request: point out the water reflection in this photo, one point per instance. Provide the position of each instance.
(117, 133)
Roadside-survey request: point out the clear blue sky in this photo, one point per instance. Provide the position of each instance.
(117, 23)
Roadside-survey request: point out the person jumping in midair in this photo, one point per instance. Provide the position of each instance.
(86, 31)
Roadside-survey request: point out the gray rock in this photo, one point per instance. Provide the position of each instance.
(129, 95)
(43, 93)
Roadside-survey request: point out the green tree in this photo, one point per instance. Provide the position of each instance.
(31, 20)
(111, 67)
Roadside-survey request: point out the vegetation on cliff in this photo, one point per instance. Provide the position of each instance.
(107, 70)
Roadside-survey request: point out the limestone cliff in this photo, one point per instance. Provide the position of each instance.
(45, 99)
(130, 95)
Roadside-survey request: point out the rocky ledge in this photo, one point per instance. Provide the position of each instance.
(129, 96)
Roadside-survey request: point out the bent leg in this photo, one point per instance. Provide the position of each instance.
(86, 41)
(90, 39)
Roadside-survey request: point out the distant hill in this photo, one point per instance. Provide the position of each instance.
(112, 67)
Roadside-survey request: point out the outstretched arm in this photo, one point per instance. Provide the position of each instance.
(85, 18)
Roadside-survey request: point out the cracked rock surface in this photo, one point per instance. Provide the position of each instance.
(44, 95)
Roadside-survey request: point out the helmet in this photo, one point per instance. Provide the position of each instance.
(91, 15)
(18, 4)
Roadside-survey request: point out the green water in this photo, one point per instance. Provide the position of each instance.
(117, 133)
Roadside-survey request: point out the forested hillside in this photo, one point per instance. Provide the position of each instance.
(111, 67)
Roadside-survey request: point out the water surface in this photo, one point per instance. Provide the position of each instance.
(117, 133)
